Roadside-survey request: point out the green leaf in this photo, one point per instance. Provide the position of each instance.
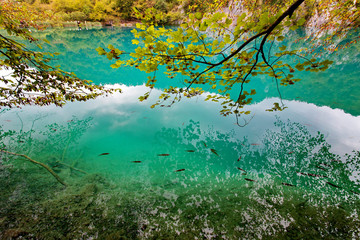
(301, 21)
(282, 48)
(280, 38)
(299, 67)
(198, 15)
(100, 51)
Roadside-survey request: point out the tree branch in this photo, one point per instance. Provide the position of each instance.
(38, 163)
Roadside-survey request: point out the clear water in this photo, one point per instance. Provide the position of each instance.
(183, 172)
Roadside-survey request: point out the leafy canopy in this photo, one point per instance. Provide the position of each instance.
(218, 50)
(29, 78)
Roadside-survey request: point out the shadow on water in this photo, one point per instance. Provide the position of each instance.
(195, 183)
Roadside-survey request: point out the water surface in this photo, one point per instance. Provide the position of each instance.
(183, 172)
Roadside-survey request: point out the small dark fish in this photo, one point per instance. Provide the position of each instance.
(190, 150)
(163, 154)
(143, 227)
(326, 165)
(311, 174)
(180, 170)
(239, 159)
(7, 120)
(250, 180)
(136, 161)
(316, 175)
(335, 160)
(53, 129)
(241, 169)
(162, 105)
(214, 152)
(321, 168)
(341, 207)
(21, 141)
(291, 152)
(255, 144)
(244, 173)
(333, 185)
(354, 192)
(288, 184)
(204, 144)
(69, 121)
(102, 154)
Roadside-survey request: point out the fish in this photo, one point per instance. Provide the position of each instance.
(102, 154)
(204, 144)
(244, 173)
(333, 185)
(180, 170)
(326, 165)
(21, 141)
(255, 144)
(288, 184)
(250, 180)
(241, 169)
(163, 154)
(190, 150)
(311, 174)
(321, 168)
(214, 151)
(316, 175)
(334, 160)
(239, 159)
(290, 152)
(136, 161)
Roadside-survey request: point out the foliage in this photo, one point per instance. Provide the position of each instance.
(124, 8)
(30, 79)
(103, 10)
(212, 51)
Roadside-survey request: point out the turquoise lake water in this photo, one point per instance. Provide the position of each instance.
(183, 172)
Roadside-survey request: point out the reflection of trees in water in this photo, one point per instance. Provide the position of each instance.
(62, 139)
(296, 156)
(214, 198)
(228, 206)
(54, 144)
(287, 155)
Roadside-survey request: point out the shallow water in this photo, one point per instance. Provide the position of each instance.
(183, 172)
